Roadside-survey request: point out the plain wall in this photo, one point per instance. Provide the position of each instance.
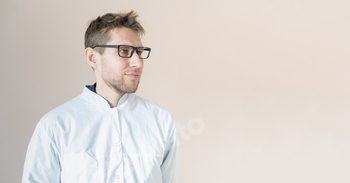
(260, 89)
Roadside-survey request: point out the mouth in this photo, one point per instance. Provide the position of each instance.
(133, 75)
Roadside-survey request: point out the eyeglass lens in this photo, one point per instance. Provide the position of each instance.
(125, 51)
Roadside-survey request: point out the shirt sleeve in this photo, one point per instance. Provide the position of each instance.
(169, 166)
(42, 159)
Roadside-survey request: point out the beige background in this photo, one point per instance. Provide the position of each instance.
(259, 88)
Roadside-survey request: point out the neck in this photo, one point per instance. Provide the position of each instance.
(109, 94)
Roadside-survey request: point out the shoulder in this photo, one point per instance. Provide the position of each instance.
(138, 102)
(152, 113)
(62, 112)
(144, 109)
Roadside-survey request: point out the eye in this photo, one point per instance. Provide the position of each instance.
(139, 52)
(125, 51)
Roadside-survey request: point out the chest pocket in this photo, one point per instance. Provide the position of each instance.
(80, 167)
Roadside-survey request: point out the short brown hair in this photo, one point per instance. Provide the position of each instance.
(98, 31)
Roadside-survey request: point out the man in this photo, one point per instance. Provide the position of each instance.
(107, 134)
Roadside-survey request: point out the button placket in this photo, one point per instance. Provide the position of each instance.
(117, 144)
(118, 150)
(119, 176)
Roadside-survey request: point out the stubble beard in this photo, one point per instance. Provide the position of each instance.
(119, 85)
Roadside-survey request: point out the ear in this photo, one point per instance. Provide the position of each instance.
(91, 56)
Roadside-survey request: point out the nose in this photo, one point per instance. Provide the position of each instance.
(135, 60)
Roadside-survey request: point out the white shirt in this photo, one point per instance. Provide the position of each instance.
(84, 140)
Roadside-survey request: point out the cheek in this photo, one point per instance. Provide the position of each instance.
(115, 70)
(113, 67)
(120, 67)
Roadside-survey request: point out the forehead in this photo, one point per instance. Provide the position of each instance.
(125, 36)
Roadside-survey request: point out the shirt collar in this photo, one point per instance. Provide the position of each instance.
(92, 87)
(90, 95)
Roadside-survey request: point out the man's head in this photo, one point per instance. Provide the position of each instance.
(98, 32)
(113, 71)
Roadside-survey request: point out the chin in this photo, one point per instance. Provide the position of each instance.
(130, 90)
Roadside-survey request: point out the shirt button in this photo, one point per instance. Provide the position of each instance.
(117, 176)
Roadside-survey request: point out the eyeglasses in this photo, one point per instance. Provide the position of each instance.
(127, 51)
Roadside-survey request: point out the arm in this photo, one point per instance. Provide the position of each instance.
(169, 166)
(42, 159)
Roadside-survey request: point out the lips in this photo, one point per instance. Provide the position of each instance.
(133, 75)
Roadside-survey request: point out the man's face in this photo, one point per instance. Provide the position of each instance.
(121, 74)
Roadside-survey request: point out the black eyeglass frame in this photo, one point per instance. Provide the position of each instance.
(132, 52)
